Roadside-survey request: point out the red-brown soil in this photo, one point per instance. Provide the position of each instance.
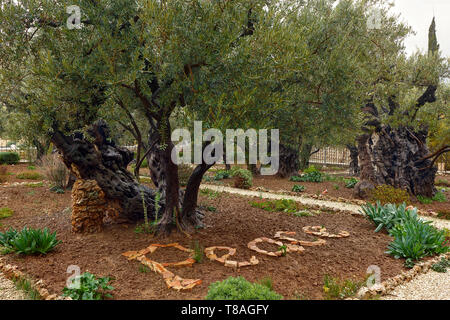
(234, 224)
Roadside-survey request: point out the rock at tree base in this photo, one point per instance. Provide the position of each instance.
(363, 189)
(90, 208)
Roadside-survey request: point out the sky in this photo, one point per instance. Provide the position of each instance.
(418, 14)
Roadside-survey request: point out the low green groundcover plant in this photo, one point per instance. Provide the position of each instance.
(29, 176)
(282, 205)
(240, 289)
(438, 197)
(298, 188)
(350, 183)
(388, 194)
(6, 213)
(441, 266)
(339, 289)
(29, 241)
(9, 157)
(89, 288)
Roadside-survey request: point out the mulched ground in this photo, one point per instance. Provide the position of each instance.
(234, 224)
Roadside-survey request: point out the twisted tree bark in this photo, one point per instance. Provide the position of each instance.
(99, 159)
(289, 164)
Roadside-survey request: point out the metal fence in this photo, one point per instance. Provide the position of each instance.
(331, 156)
(336, 156)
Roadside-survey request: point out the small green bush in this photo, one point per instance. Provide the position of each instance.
(388, 194)
(240, 289)
(222, 174)
(29, 241)
(9, 158)
(298, 188)
(90, 288)
(243, 178)
(29, 176)
(415, 239)
(311, 174)
(295, 179)
(6, 213)
(184, 173)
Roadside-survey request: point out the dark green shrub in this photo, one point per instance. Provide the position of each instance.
(29, 176)
(243, 178)
(184, 173)
(9, 157)
(389, 215)
(29, 241)
(415, 239)
(240, 289)
(90, 288)
(298, 188)
(388, 194)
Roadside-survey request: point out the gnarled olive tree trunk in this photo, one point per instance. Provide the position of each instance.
(99, 161)
(397, 156)
(354, 163)
(289, 164)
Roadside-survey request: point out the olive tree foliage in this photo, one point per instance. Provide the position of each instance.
(152, 58)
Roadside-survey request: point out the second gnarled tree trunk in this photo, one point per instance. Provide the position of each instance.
(396, 156)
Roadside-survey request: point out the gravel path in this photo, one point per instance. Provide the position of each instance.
(8, 290)
(428, 286)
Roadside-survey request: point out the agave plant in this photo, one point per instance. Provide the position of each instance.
(389, 215)
(415, 239)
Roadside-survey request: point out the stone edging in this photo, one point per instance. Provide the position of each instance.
(12, 272)
(391, 284)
